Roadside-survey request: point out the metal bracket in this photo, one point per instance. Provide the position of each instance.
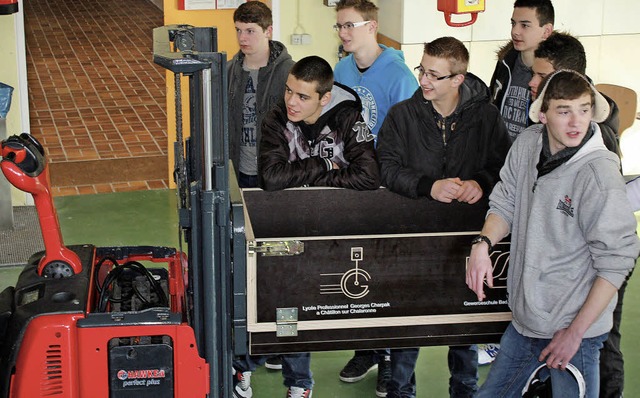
(286, 322)
(280, 248)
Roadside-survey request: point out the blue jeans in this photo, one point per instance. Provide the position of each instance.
(296, 368)
(463, 367)
(518, 358)
(247, 181)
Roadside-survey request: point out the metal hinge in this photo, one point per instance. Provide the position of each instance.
(286, 322)
(277, 248)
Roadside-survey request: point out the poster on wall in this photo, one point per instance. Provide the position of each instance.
(229, 3)
(208, 4)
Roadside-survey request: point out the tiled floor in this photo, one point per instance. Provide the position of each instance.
(95, 93)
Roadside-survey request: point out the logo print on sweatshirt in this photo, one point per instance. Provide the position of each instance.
(564, 205)
(369, 106)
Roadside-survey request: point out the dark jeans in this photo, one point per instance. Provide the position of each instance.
(247, 181)
(296, 368)
(611, 361)
(463, 367)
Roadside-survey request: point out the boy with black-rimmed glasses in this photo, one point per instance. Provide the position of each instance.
(446, 143)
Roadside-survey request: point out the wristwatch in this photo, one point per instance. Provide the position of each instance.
(482, 238)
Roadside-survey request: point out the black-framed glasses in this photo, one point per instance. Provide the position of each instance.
(430, 76)
(349, 25)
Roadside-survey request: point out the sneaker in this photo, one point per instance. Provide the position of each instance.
(299, 392)
(358, 367)
(487, 353)
(242, 384)
(274, 363)
(384, 376)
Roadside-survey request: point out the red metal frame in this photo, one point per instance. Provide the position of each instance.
(57, 358)
(14, 154)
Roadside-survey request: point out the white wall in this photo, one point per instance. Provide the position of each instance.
(607, 28)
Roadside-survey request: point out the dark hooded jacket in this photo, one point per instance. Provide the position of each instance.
(296, 154)
(501, 80)
(416, 146)
(271, 82)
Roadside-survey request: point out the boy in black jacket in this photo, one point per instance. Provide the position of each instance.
(446, 143)
(531, 23)
(317, 136)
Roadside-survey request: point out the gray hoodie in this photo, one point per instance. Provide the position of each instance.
(271, 82)
(567, 228)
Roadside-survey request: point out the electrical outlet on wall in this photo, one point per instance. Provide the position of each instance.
(296, 39)
(330, 3)
(305, 38)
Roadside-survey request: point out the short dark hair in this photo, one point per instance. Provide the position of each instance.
(563, 51)
(544, 9)
(452, 50)
(365, 8)
(254, 12)
(314, 69)
(566, 85)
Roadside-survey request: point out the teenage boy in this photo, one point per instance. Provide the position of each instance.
(573, 241)
(317, 136)
(381, 78)
(376, 72)
(563, 51)
(256, 77)
(446, 143)
(531, 23)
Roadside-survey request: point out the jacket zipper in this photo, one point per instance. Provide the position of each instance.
(443, 127)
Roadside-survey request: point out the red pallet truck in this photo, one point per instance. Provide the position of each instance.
(89, 321)
(137, 321)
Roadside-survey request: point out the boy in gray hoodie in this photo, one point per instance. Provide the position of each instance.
(573, 241)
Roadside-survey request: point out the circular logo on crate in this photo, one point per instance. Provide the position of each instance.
(351, 283)
(122, 375)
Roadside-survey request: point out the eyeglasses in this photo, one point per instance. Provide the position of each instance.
(349, 25)
(429, 75)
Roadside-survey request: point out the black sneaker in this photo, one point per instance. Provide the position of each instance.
(358, 367)
(274, 363)
(384, 376)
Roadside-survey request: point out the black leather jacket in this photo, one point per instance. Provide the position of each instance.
(292, 155)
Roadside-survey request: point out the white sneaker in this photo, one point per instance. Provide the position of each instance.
(298, 392)
(487, 353)
(242, 384)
